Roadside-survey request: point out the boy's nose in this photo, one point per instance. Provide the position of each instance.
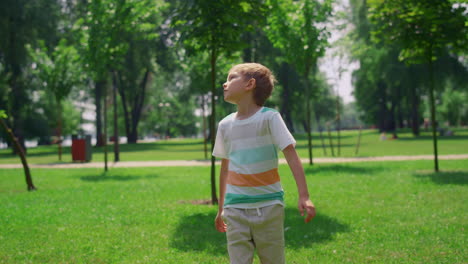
(224, 85)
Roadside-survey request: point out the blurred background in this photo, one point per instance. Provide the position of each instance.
(149, 69)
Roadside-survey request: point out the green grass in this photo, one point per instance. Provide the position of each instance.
(192, 149)
(379, 212)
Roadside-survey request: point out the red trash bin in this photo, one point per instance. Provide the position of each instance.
(78, 150)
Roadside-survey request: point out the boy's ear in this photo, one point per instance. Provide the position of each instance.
(251, 84)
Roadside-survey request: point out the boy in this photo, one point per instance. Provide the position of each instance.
(251, 208)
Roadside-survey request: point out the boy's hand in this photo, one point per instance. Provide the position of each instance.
(308, 206)
(219, 224)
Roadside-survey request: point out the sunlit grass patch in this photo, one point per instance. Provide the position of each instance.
(380, 212)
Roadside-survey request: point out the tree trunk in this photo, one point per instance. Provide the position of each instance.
(123, 96)
(18, 132)
(338, 123)
(132, 110)
(98, 89)
(414, 107)
(317, 118)
(214, 198)
(415, 114)
(116, 126)
(138, 103)
(331, 141)
(285, 101)
(104, 134)
(433, 111)
(17, 98)
(22, 155)
(359, 141)
(382, 117)
(59, 129)
(205, 143)
(398, 111)
(308, 121)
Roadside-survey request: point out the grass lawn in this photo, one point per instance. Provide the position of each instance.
(379, 212)
(192, 149)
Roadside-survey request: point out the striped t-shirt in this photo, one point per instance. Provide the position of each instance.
(251, 145)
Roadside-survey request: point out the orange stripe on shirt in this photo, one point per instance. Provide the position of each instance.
(253, 180)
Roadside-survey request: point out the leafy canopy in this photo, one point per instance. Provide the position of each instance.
(423, 29)
(298, 29)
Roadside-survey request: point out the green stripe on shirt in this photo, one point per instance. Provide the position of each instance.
(254, 155)
(232, 198)
(266, 109)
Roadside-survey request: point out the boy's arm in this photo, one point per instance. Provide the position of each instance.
(296, 167)
(219, 223)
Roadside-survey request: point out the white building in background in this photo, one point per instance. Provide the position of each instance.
(88, 116)
(87, 110)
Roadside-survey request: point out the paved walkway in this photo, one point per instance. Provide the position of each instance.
(193, 163)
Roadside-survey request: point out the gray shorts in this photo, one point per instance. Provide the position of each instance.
(258, 228)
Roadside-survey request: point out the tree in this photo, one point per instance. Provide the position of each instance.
(136, 25)
(381, 84)
(59, 73)
(297, 28)
(19, 149)
(424, 30)
(388, 91)
(22, 22)
(119, 36)
(215, 27)
(94, 38)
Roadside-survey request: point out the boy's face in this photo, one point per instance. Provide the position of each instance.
(236, 87)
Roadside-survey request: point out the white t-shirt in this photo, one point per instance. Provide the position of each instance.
(251, 145)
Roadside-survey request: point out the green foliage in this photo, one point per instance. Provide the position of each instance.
(453, 107)
(108, 23)
(350, 118)
(169, 112)
(215, 26)
(47, 46)
(22, 22)
(424, 29)
(387, 90)
(58, 72)
(297, 28)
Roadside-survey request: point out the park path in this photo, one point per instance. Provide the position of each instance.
(196, 163)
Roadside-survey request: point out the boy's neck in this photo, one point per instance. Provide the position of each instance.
(246, 110)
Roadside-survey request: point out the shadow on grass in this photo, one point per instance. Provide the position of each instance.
(341, 168)
(445, 177)
(197, 232)
(320, 230)
(112, 177)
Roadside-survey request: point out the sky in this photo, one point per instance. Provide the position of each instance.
(336, 60)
